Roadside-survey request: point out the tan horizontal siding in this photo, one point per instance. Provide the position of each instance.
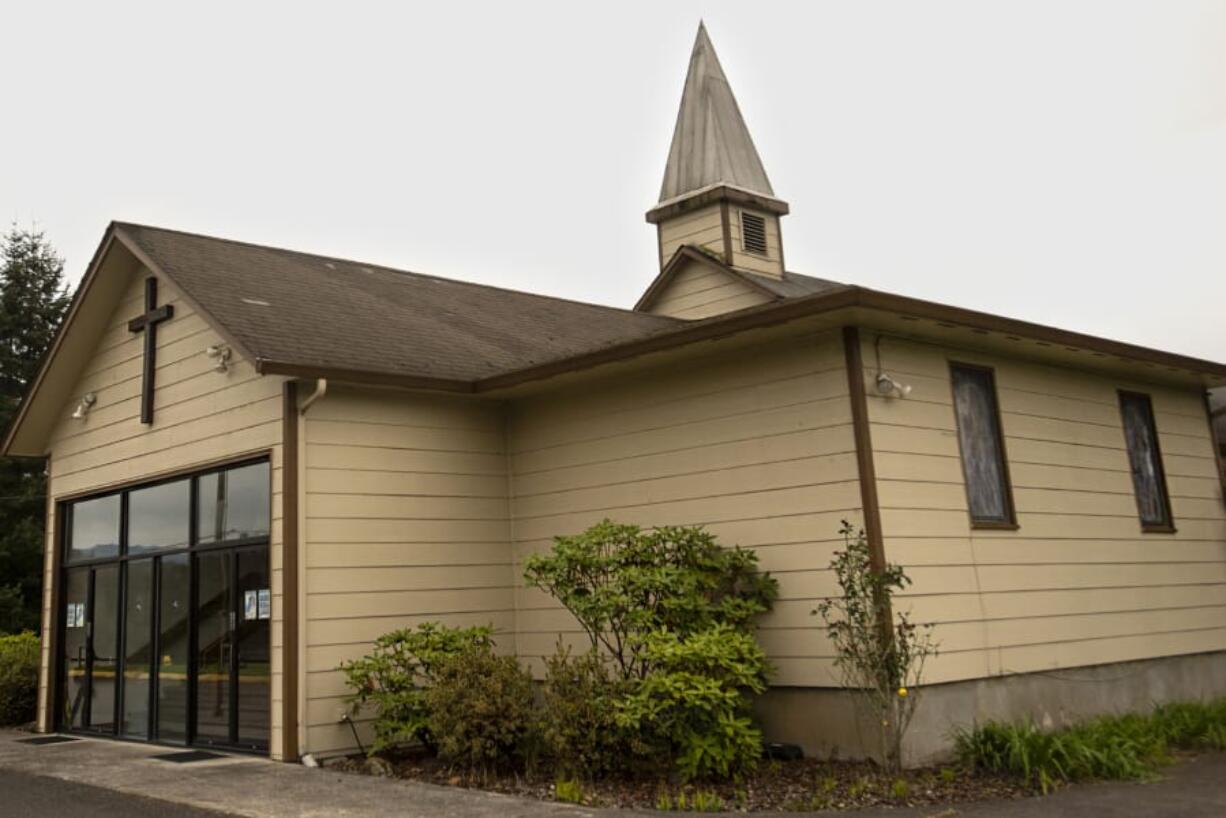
(1078, 583)
(702, 228)
(406, 521)
(756, 445)
(698, 291)
(201, 417)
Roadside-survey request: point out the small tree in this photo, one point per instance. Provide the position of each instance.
(622, 583)
(880, 654)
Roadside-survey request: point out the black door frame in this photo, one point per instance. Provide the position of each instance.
(121, 561)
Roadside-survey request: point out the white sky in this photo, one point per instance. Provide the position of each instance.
(1062, 162)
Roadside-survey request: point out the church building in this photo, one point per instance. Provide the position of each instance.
(260, 460)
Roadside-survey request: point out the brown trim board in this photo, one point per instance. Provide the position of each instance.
(777, 312)
(289, 573)
(267, 367)
(725, 216)
(864, 448)
(50, 618)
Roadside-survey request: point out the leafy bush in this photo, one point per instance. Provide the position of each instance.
(693, 707)
(578, 723)
(396, 674)
(880, 653)
(18, 677)
(1112, 747)
(622, 582)
(480, 708)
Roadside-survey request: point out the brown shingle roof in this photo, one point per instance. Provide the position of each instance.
(330, 314)
(792, 285)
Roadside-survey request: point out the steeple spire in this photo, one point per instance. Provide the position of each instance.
(711, 143)
(716, 196)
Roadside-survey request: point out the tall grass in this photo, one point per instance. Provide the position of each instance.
(1110, 747)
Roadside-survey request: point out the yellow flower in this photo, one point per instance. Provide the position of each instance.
(902, 691)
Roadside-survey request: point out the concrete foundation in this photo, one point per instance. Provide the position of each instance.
(827, 723)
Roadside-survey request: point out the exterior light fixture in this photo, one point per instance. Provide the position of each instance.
(220, 353)
(891, 388)
(84, 405)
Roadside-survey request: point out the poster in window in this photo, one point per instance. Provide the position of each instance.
(265, 603)
(249, 605)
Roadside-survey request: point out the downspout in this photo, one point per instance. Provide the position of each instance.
(300, 468)
(321, 389)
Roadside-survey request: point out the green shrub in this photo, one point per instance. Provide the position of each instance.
(1193, 726)
(1112, 747)
(480, 709)
(578, 714)
(622, 583)
(18, 678)
(396, 674)
(568, 790)
(693, 707)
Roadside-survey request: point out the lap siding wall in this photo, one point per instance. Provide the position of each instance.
(756, 445)
(1078, 583)
(200, 417)
(405, 521)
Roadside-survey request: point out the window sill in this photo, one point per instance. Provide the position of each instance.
(1159, 529)
(990, 526)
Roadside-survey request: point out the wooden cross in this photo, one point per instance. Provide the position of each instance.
(148, 323)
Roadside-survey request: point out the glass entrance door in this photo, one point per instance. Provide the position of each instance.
(232, 644)
(91, 646)
(165, 622)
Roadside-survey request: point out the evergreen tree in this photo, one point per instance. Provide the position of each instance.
(32, 303)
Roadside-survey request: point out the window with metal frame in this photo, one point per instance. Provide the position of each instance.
(128, 624)
(985, 467)
(1145, 462)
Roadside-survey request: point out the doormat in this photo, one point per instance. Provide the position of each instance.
(187, 757)
(47, 740)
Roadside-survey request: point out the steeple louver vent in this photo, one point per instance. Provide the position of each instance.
(753, 233)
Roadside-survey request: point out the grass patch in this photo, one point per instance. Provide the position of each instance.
(1111, 747)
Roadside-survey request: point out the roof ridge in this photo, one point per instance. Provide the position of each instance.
(381, 267)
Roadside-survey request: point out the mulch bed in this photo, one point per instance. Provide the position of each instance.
(806, 785)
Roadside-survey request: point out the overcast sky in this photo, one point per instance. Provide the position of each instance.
(1062, 162)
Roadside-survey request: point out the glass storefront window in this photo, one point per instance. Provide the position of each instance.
(161, 641)
(94, 529)
(233, 504)
(159, 517)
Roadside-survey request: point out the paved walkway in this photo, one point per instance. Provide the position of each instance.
(33, 795)
(257, 788)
